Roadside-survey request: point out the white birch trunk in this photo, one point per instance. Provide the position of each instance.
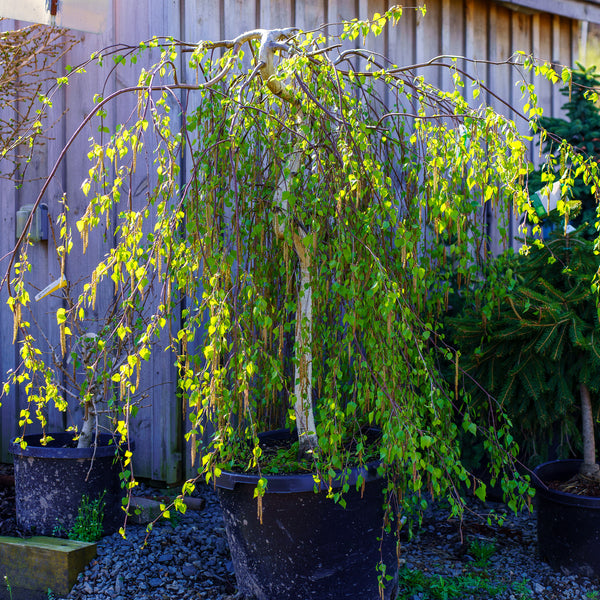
(88, 428)
(303, 408)
(86, 346)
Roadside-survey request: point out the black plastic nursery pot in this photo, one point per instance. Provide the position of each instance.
(51, 480)
(307, 546)
(568, 526)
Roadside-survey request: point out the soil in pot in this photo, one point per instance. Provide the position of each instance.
(578, 485)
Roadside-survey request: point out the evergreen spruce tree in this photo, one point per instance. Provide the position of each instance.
(539, 353)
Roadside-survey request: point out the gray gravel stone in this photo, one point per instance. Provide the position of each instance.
(189, 570)
(538, 588)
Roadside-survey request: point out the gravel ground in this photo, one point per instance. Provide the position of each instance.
(188, 558)
(444, 548)
(184, 558)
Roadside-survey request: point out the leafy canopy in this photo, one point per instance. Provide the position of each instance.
(385, 175)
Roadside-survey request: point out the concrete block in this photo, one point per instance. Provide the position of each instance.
(41, 563)
(143, 510)
(194, 503)
(148, 509)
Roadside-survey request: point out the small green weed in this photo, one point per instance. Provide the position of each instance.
(593, 595)
(471, 585)
(522, 589)
(437, 587)
(88, 522)
(174, 518)
(482, 551)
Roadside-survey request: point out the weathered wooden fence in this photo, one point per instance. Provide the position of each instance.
(480, 29)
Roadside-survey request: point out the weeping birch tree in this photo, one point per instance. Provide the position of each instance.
(302, 232)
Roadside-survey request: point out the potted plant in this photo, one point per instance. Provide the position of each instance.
(538, 354)
(25, 129)
(306, 253)
(538, 351)
(55, 472)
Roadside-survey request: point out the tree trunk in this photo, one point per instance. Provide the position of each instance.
(589, 468)
(89, 426)
(303, 409)
(305, 420)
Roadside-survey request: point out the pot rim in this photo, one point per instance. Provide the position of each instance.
(291, 483)
(58, 450)
(571, 500)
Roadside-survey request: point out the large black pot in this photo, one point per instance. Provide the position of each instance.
(568, 526)
(51, 480)
(307, 546)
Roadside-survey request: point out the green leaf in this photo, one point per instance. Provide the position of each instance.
(480, 491)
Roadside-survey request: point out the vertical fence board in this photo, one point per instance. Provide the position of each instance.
(276, 14)
(8, 352)
(241, 16)
(237, 16)
(43, 266)
(542, 48)
(401, 40)
(428, 39)
(72, 172)
(310, 15)
(379, 45)
(156, 429)
(452, 39)
(50, 304)
(340, 10)
(500, 49)
(476, 37)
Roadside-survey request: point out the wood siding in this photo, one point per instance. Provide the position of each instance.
(473, 28)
